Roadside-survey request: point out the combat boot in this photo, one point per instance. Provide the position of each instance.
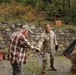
(52, 66)
(53, 69)
(43, 73)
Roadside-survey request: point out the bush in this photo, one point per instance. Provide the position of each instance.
(74, 20)
(67, 19)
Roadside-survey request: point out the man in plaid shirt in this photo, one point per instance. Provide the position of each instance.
(17, 55)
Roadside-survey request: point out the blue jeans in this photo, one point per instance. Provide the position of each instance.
(17, 69)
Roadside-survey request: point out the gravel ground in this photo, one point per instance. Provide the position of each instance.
(62, 65)
(5, 68)
(34, 66)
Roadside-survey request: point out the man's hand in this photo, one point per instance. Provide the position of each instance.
(56, 47)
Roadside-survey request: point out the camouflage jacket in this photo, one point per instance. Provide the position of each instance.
(48, 41)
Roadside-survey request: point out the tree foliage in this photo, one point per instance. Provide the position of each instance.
(31, 10)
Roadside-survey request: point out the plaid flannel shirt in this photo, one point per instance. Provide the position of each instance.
(16, 48)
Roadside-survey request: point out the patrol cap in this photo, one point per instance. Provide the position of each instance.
(26, 27)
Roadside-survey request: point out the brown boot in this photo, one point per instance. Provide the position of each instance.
(43, 73)
(53, 69)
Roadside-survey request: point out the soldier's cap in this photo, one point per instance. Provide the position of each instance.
(26, 27)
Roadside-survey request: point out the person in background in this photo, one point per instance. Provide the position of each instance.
(17, 48)
(49, 44)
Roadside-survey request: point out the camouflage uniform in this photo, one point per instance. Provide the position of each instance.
(48, 42)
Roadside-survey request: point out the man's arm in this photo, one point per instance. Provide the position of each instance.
(41, 40)
(27, 44)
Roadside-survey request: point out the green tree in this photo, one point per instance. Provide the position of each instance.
(19, 1)
(29, 2)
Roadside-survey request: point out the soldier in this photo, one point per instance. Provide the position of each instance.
(49, 43)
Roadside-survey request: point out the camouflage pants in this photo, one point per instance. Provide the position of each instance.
(47, 61)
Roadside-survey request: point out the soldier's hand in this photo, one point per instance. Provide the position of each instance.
(37, 49)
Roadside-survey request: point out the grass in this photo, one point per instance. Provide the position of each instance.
(14, 20)
(34, 67)
(65, 26)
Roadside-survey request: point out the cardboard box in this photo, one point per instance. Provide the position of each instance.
(58, 23)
